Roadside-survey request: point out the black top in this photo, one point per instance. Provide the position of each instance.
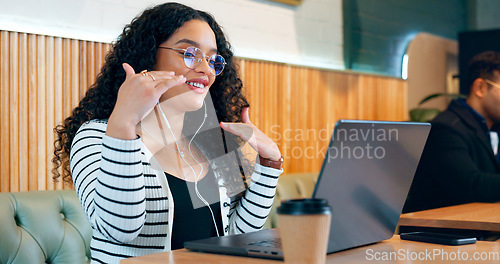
(192, 218)
(457, 166)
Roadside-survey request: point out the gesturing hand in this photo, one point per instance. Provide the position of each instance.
(264, 145)
(136, 98)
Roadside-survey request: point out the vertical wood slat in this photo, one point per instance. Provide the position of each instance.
(50, 97)
(59, 86)
(14, 111)
(42, 78)
(75, 74)
(33, 117)
(23, 113)
(91, 73)
(83, 68)
(43, 160)
(4, 112)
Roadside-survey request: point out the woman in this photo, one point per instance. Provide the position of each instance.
(138, 145)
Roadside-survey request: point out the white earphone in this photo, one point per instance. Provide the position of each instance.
(196, 177)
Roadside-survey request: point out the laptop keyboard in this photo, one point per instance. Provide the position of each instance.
(275, 243)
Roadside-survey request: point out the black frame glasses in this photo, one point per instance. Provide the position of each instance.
(193, 57)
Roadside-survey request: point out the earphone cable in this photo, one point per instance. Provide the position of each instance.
(198, 194)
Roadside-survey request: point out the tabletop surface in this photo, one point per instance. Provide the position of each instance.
(475, 216)
(393, 250)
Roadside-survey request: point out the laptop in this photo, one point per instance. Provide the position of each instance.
(366, 175)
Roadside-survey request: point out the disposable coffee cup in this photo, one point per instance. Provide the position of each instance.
(304, 226)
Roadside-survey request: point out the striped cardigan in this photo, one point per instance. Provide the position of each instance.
(129, 204)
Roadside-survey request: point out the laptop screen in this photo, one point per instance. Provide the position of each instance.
(366, 175)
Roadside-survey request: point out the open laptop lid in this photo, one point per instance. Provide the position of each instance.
(366, 175)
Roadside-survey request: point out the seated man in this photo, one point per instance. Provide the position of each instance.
(459, 164)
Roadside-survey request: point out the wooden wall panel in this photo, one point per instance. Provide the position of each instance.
(298, 107)
(42, 78)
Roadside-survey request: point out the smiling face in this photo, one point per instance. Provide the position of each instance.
(187, 96)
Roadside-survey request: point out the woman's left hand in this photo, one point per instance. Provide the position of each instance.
(264, 145)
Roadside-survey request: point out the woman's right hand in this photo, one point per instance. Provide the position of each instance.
(136, 98)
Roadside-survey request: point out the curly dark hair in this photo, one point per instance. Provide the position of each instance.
(482, 65)
(137, 45)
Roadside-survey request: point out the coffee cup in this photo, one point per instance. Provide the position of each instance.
(304, 226)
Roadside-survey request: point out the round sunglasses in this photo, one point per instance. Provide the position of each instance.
(193, 57)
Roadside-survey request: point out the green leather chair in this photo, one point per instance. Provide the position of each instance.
(43, 227)
(291, 186)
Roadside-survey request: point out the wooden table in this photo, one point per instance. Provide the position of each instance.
(473, 216)
(393, 250)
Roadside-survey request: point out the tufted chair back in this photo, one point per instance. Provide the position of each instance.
(291, 186)
(43, 227)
